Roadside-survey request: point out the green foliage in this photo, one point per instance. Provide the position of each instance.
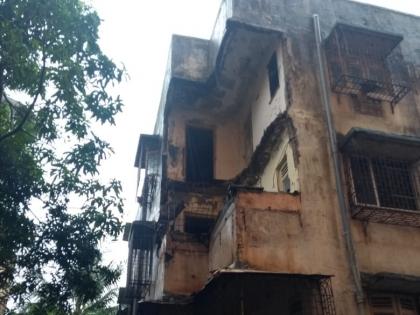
(98, 306)
(49, 155)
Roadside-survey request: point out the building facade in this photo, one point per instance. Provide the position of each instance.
(282, 174)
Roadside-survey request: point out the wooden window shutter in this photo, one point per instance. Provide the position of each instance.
(407, 305)
(383, 305)
(388, 304)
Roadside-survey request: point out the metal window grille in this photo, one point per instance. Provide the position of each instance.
(384, 190)
(149, 191)
(140, 259)
(139, 275)
(317, 296)
(360, 63)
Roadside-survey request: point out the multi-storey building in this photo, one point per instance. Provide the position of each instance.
(282, 175)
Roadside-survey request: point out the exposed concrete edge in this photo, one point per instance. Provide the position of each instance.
(170, 79)
(234, 271)
(378, 7)
(386, 280)
(262, 154)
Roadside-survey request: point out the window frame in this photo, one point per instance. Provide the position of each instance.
(396, 306)
(213, 135)
(373, 180)
(273, 74)
(283, 164)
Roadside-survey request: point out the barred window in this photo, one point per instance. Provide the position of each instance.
(365, 62)
(382, 182)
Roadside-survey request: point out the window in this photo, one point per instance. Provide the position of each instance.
(196, 224)
(390, 304)
(296, 306)
(283, 179)
(273, 75)
(363, 62)
(381, 182)
(382, 172)
(199, 153)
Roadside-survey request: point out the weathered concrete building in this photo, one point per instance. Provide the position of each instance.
(282, 175)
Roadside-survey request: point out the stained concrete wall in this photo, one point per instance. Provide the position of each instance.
(315, 244)
(200, 205)
(254, 231)
(266, 108)
(269, 178)
(229, 148)
(223, 245)
(186, 266)
(310, 240)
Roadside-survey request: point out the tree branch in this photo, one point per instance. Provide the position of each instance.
(11, 106)
(1, 81)
(19, 127)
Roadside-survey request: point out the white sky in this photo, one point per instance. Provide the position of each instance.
(137, 33)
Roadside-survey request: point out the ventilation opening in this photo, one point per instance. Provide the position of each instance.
(199, 155)
(198, 224)
(283, 179)
(273, 75)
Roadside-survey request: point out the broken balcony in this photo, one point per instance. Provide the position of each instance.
(247, 231)
(382, 173)
(363, 62)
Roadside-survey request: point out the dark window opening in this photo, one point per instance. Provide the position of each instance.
(384, 182)
(273, 75)
(296, 307)
(199, 155)
(198, 224)
(362, 180)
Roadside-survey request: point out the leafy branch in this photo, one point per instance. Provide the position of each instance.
(31, 107)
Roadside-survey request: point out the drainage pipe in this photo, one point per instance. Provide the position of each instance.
(345, 221)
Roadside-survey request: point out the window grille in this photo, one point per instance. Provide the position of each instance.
(360, 63)
(140, 258)
(383, 190)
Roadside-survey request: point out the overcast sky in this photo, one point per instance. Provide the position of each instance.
(137, 33)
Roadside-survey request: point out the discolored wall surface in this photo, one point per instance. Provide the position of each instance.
(270, 231)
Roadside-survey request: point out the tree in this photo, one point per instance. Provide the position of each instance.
(98, 306)
(49, 155)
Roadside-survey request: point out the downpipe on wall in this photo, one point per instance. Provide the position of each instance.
(345, 221)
